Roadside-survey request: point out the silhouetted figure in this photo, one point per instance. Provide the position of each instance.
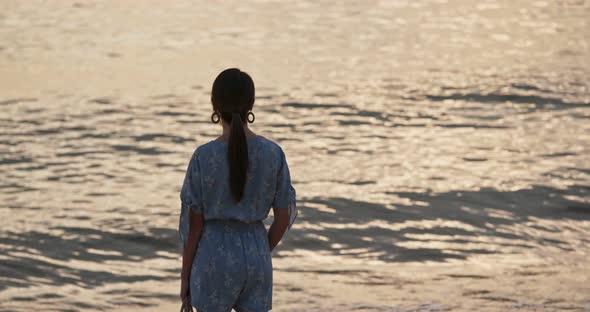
(230, 185)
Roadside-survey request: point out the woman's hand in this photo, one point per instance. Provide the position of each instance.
(184, 289)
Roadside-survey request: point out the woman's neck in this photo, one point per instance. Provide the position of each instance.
(227, 129)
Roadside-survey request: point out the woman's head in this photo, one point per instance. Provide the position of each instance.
(232, 97)
(233, 91)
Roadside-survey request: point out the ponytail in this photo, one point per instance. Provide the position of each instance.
(233, 96)
(237, 152)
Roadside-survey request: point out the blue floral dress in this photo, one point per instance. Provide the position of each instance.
(233, 266)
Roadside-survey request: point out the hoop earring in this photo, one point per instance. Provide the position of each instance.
(248, 117)
(215, 114)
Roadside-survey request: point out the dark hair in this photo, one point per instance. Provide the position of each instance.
(232, 97)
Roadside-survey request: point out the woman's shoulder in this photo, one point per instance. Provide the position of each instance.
(206, 146)
(204, 149)
(270, 144)
(212, 146)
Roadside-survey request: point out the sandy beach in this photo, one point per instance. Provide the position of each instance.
(440, 149)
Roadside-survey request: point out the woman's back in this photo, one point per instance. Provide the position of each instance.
(206, 187)
(233, 265)
(227, 192)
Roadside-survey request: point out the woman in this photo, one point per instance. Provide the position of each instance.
(229, 187)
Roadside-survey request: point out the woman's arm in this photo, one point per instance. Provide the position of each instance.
(278, 227)
(196, 226)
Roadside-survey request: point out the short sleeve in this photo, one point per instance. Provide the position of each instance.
(285, 196)
(190, 196)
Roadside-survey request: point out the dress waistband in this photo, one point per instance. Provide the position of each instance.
(234, 223)
(232, 220)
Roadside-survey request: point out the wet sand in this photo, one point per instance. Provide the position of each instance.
(440, 150)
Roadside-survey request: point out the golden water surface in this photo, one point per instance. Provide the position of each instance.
(440, 149)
